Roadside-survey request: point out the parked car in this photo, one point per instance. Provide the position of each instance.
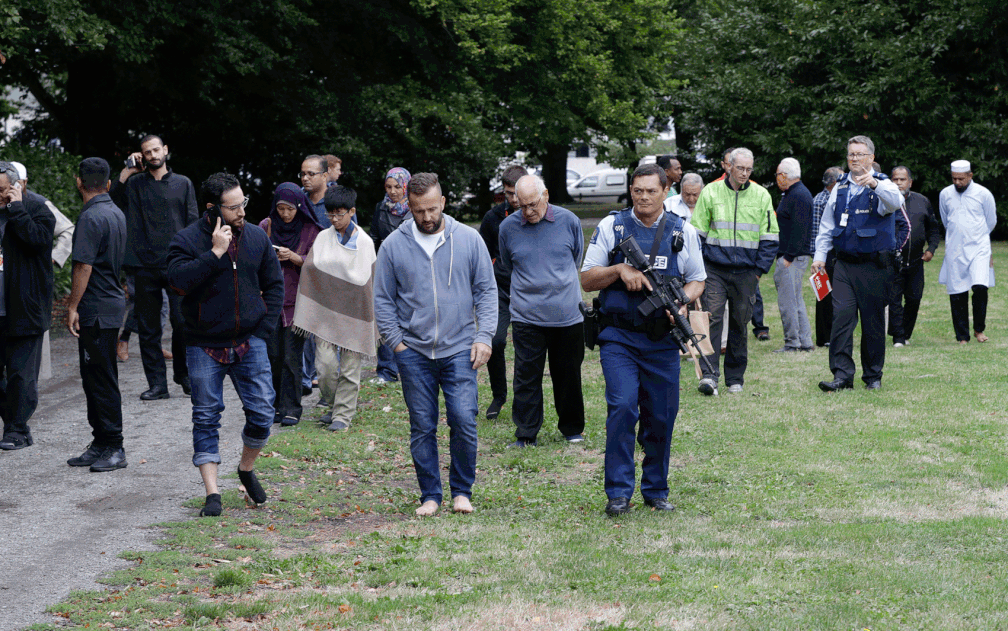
(605, 186)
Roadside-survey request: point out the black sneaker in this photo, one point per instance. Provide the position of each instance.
(110, 460)
(86, 459)
(14, 441)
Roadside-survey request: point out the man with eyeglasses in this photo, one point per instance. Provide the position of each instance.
(26, 288)
(314, 180)
(640, 361)
(158, 203)
(739, 232)
(233, 291)
(540, 250)
(859, 224)
(490, 231)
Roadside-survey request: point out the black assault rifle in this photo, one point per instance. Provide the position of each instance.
(666, 294)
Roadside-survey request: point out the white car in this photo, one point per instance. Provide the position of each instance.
(605, 186)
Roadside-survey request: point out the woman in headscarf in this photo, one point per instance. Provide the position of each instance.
(292, 227)
(389, 213)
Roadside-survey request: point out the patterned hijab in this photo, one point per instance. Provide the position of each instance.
(402, 176)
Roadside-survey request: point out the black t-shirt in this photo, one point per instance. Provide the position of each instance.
(99, 240)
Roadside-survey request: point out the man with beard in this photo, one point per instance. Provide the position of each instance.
(436, 308)
(158, 203)
(909, 281)
(969, 214)
(490, 231)
(233, 292)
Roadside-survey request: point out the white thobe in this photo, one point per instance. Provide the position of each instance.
(969, 218)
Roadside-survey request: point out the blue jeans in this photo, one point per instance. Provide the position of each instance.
(642, 384)
(308, 372)
(387, 366)
(421, 378)
(253, 382)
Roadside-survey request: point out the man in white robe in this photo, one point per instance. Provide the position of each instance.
(968, 211)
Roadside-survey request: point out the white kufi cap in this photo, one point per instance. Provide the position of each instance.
(22, 171)
(961, 166)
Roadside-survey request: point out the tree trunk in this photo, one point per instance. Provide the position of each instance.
(554, 173)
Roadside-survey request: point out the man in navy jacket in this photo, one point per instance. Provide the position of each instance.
(232, 293)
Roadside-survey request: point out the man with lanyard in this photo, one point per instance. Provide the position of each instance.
(859, 223)
(640, 366)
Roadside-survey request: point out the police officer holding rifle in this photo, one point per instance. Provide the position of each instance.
(640, 357)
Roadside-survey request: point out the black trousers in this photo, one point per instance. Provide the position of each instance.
(737, 289)
(147, 309)
(757, 314)
(22, 358)
(96, 348)
(285, 349)
(565, 348)
(497, 366)
(960, 312)
(908, 288)
(859, 289)
(824, 307)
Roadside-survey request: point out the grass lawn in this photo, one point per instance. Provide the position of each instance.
(796, 510)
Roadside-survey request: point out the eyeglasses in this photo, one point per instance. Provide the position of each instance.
(524, 207)
(304, 174)
(235, 208)
(780, 173)
(338, 215)
(857, 156)
(743, 169)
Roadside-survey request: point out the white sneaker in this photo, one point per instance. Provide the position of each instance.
(907, 342)
(379, 381)
(897, 344)
(735, 388)
(708, 387)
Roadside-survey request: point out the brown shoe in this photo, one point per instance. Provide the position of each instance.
(167, 354)
(122, 350)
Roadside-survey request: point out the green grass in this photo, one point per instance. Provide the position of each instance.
(796, 510)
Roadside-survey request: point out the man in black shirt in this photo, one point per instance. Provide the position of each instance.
(157, 203)
(490, 231)
(909, 282)
(94, 311)
(26, 226)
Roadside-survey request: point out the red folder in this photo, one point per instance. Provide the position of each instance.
(820, 284)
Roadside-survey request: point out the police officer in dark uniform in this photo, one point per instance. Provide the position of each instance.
(859, 223)
(641, 368)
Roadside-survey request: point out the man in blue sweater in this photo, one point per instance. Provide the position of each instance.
(540, 250)
(436, 308)
(794, 218)
(232, 292)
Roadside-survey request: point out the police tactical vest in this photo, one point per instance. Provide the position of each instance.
(615, 299)
(866, 231)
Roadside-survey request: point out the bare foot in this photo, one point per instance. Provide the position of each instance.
(981, 337)
(461, 505)
(427, 509)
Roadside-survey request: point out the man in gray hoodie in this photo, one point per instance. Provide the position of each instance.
(436, 308)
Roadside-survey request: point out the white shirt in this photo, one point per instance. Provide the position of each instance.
(429, 242)
(677, 206)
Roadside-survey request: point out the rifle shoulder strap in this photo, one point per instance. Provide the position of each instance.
(658, 237)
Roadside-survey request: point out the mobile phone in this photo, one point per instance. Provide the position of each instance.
(17, 186)
(276, 247)
(131, 163)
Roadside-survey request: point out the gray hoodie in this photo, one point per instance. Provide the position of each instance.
(438, 306)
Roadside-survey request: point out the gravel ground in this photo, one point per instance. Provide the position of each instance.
(64, 527)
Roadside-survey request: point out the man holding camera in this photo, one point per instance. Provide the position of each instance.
(641, 368)
(158, 203)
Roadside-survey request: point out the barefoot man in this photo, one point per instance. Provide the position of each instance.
(436, 307)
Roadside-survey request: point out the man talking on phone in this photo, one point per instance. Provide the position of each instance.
(26, 289)
(158, 203)
(232, 292)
